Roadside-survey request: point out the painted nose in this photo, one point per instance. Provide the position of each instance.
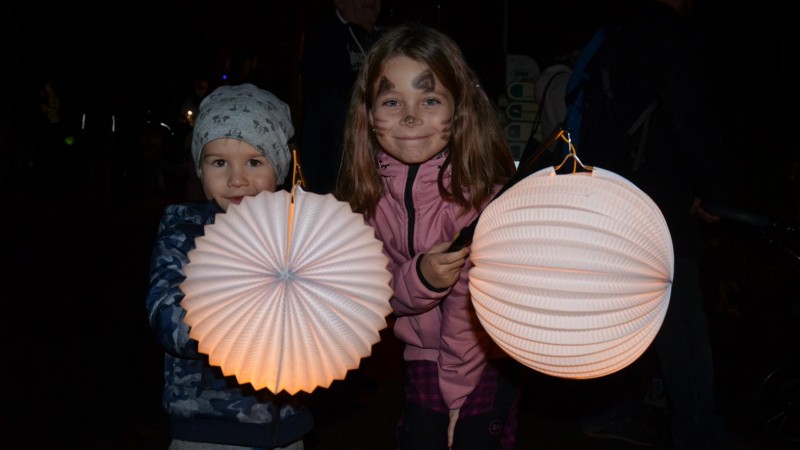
(410, 121)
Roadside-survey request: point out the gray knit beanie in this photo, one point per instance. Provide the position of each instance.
(249, 114)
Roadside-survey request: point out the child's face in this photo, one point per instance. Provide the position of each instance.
(413, 111)
(231, 169)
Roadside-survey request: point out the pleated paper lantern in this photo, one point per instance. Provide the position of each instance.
(287, 291)
(572, 273)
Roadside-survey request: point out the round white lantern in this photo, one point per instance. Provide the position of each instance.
(572, 273)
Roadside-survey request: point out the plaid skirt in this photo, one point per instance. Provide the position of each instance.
(487, 420)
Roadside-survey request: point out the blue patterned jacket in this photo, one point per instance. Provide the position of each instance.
(202, 404)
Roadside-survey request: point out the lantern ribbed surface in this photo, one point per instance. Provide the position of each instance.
(572, 273)
(287, 296)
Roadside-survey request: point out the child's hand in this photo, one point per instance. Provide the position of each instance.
(440, 268)
(451, 427)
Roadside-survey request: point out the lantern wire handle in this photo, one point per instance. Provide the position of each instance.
(297, 180)
(297, 173)
(576, 162)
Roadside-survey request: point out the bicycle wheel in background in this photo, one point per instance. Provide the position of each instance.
(776, 402)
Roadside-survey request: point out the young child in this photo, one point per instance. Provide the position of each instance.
(239, 148)
(423, 153)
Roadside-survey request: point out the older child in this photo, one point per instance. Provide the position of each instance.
(423, 153)
(240, 148)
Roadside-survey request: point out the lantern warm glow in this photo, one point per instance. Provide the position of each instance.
(287, 291)
(572, 273)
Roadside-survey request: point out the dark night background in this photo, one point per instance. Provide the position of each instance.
(142, 56)
(81, 370)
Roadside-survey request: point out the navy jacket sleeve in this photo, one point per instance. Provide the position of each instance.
(178, 229)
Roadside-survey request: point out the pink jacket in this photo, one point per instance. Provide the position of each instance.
(410, 219)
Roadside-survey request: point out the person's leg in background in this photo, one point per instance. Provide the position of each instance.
(684, 350)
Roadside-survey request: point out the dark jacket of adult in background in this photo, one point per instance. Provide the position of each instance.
(332, 56)
(663, 58)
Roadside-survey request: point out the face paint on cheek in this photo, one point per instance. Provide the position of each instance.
(380, 126)
(446, 129)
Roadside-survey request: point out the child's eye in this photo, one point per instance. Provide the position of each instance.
(219, 163)
(255, 163)
(431, 101)
(391, 103)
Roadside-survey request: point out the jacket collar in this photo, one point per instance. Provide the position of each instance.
(395, 176)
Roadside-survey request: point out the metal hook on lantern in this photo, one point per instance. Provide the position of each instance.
(564, 135)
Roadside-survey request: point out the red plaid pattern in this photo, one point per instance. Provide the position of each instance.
(422, 388)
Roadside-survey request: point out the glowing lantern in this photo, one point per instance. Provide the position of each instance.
(287, 291)
(572, 272)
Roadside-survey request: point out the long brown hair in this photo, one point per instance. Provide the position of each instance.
(478, 152)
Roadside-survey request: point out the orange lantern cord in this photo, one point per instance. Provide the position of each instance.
(297, 173)
(564, 136)
(297, 179)
(525, 166)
